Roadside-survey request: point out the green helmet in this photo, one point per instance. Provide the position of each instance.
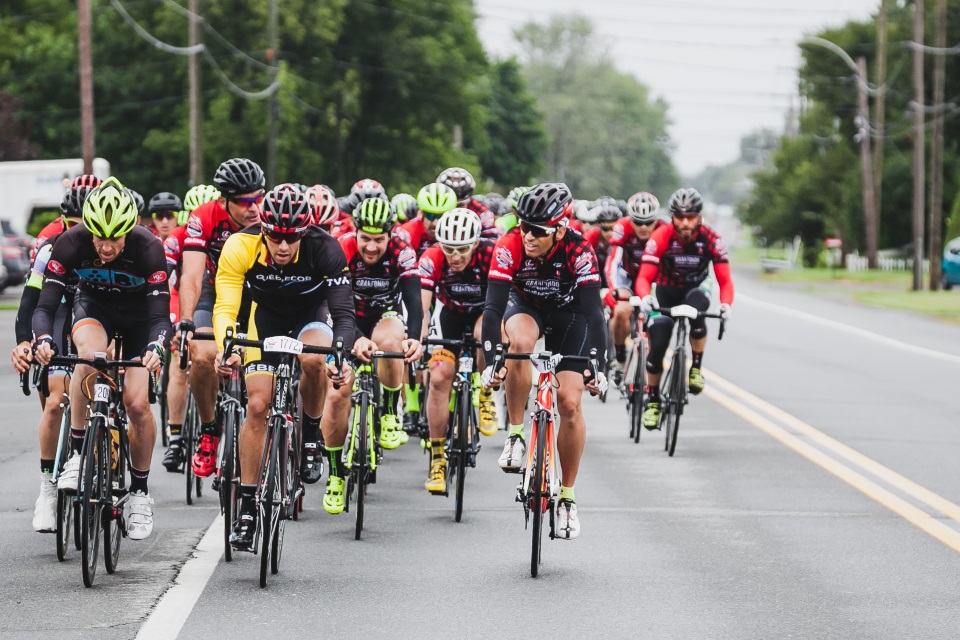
(404, 205)
(436, 199)
(196, 196)
(514, 195)
(374, 215)
(110, 210)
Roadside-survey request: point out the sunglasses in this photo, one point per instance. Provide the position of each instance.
(456, 251)
(431, 216)
(248, 202)
(164, 215)
(606, 227)
(278, 237)
(536, 230)
(644, 224)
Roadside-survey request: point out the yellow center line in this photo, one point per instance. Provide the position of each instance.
(914, 515)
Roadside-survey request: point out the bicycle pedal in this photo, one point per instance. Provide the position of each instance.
(215, 485)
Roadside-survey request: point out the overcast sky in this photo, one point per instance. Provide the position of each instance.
(725, 67)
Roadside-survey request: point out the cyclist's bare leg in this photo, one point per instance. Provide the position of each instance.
(698, 344)
(522, 332)
(477, 331)
(253, 432)
(89, 337)
(203, 378)
(50, 419)
(313, 379)
(438, 400)
(572, 431)
(388, 334)
(143, 427)
(176, 392)
(336, 412)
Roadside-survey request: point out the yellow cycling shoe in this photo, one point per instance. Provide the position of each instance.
(437, 480)
(489, 424)
(334, 499)
(390, 432)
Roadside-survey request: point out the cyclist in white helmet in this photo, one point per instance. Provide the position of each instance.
(455, 270)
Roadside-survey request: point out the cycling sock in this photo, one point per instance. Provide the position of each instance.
(653, 393)
(209, 429)
(621, 353)
(413, 398)
(436, 448)
(46, 466)
(516, 430)
(311, 428)
(696, 360)
(247, 493)
(566, 493)
(175, 430)
(333, 457)
(76, 439)
(138, 480)
(46, 477)
(390, 399)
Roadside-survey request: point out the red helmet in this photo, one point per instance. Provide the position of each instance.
(324, 203)
(286, 209)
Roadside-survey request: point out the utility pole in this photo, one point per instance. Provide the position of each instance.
(87, 130)
(880, 110)
(936, 145)
(869, 211)
(918, 140)
(274, 105)
(193, 73)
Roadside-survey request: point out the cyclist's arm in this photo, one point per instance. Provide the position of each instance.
(722, 271)
(410, 292)
(191, 281)
(646, 274)
(232, 269)
(587, 299)
(157, 293)
(498, 292)
(612, 266)
(31, 295)
(342, 310)
(61, 261)
(426, 296)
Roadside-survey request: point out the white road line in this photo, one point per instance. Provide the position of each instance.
(862, 333)
(173, 609)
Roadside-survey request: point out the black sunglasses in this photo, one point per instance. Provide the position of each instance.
(163, 215)
(277, 237)
(536, 230)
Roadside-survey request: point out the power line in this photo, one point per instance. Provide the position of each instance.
(143, 33)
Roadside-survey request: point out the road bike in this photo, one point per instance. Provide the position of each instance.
(541, 475)
(634, 382)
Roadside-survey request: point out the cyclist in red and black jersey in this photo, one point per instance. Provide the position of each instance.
(551, 279)
(456, 269)
(433, 201)
(241, 185)
(629, 239)
(326, 211)
(605, 216)
(464, 185)
(677, 260)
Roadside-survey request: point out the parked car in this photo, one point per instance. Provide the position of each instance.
(950, 266)
(15, 259)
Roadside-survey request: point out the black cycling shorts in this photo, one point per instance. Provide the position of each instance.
(366, 324)
(564, 330)
(266, 323)
(131, 323)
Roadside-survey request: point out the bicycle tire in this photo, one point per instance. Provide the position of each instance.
(113, 523)
(361, 459)
(536, 491)
(268, 507)
(461, 427)
(281, 496)
(76, 523)
(229, 492)
(680, 358)
(666, 406)
(639, 389)
(64, 500)
(162, 383)
(90, 507)
(190, 435)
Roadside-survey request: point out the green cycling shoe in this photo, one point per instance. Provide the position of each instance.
(334, 500)
(695, 381)
(390, 432)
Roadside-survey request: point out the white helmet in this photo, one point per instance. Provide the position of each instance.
(458, 228)
(643, 207)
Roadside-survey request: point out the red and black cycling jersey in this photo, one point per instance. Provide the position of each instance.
(415, 234)
(173, 252)
(136, 278)
(339, 227)
(548, 282)
(631, 255)
(463, 292)
(52, 229)
(379, 287)
(601, 248)
(488, 227)
(207, 230)
(668, 262)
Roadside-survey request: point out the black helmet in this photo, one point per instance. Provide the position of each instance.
(545, 204)
(138, 200)
(286, 209)
(164, 201)
(686, 200)
(605, 213)
(237, 176)
(459, 180)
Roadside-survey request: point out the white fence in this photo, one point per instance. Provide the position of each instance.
(855, 262)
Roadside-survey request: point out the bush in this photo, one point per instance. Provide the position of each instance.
(41, 220)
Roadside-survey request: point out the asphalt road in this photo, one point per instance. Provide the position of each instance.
(762, 526)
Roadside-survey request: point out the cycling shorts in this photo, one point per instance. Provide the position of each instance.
(366, 324)
(564, 330)
(131, 323)
(266, 323)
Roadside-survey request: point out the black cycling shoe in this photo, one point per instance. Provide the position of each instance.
(311, 463)
(173, 459)
(411, 422)
(242, 537)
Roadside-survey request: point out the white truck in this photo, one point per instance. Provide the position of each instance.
(31, 185)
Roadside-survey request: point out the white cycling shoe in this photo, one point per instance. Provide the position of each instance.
(70, 474)
(140, 520)
(45, 511)
(568, 523)
(511, 460)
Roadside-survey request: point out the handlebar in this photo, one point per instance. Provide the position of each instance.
(500, 357)
(184, 343)
(691, 313)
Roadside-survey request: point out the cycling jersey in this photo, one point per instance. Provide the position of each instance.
(339, 227)
(379, 287)
(416, 235)
(317, 274)
(207, 230)
(626, 249)
(668, 262)
(52, 229)
(464, 292)
(135, 280)
(488, 226)
(600, 248)
(33, 286)
(173, 252)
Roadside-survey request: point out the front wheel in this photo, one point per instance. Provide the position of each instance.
(91, 505)
(229, 491)
(269, 505)
(461, 426)
(538, 492)
(363, 433)
(677, 384)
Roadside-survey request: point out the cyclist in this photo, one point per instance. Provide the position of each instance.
(508, 220)
(606, 217)
(582, 216)
(383, 270)
(551, 279)
(464, 185)
(164, 208)
(433, 201)
(629, 239)
(298, 280)
(456, 268)
(326, 211)
(676, 259)
(404, 206)
(70, 208)
(122, 289)
(45, 511)
(240, 182)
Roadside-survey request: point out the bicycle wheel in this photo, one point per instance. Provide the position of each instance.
(461, 429)
(64, 501)
(112, 522)
(189, 435)
(91, 506)
(639, 389)
(269, 503)
(286, 503)
(678, 370)
(162, 381)
(229, 491)
(361, 458)
(536, 491)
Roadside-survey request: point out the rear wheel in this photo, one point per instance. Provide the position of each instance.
(112, 522)
(537, 492)
(65, 520)
(229, 493)
(90, 500)
(191, 433)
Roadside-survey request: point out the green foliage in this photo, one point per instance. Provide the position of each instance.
(40, 220)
